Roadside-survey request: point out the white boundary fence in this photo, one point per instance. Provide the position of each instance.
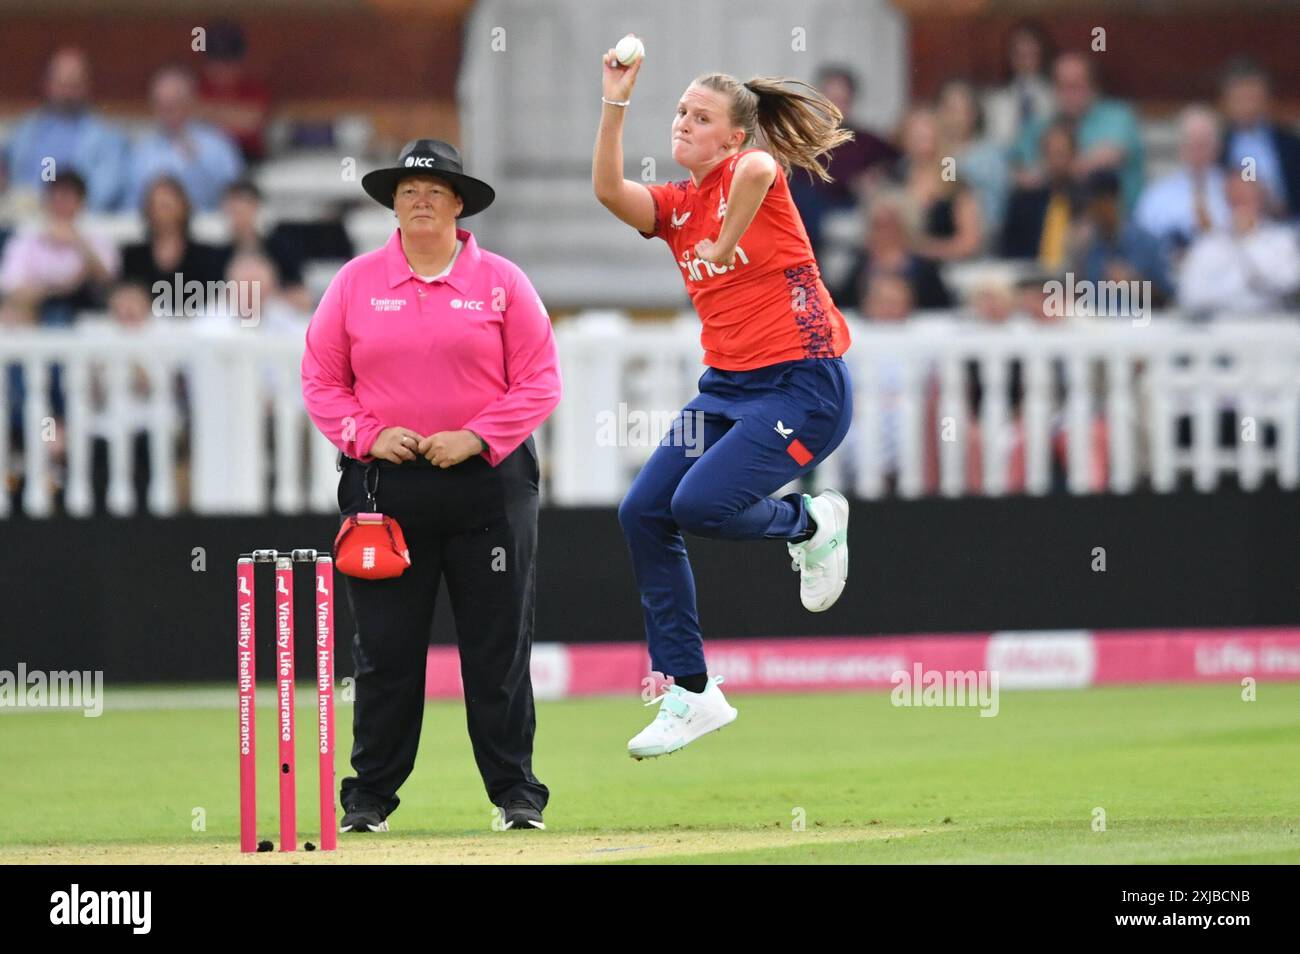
(1137, 379)
(240, 384)
(254, 450)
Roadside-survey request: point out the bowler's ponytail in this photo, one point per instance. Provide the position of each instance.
(790, 118)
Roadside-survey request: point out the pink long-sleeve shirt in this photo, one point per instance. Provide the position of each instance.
(473, 350)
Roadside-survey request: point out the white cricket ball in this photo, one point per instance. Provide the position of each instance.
(629, 50)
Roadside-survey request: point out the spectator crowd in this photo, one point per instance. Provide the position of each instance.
(66, 169)
(981, 197)
(1050, 173)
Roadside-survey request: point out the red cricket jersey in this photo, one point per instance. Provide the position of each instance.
(770, 305)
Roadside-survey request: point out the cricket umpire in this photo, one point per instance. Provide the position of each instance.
(429, 363)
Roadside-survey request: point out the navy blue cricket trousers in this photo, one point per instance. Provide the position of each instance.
(746, 435)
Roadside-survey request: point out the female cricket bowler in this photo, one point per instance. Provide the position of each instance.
(776, 398)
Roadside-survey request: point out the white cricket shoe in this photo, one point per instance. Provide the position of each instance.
(683, 717)
(823, 560)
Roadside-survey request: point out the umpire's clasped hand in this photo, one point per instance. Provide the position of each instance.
(396, 445)
(449, 448)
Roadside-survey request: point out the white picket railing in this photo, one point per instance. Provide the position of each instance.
(243, 387)
(909, 382)
(253, 449)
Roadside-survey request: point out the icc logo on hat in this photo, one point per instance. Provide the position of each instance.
(442, 159)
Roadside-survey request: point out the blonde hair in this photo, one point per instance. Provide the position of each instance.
(897, 201)
(792, 120)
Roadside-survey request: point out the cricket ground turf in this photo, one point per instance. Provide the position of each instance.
(1152, 774)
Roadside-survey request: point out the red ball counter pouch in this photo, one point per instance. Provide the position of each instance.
(370, 545)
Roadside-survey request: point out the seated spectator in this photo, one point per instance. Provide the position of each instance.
(889, 302)
(202, 157)
(50, 272)
(1027, 95)
(1039, 218)
(891, 228)
(230, 98)
(1250, 269)
(981, 163)
(261, 311)
(67, 131)
(129, 308)
(257, 305)
(991, 299)
(847, 164)
(271, 311)
(1253, 134)
(1106, 248)
(1191, 200)
(168, 248)
(242, 207)
(997, 298)
(322, 239)
(1106, 131)
(1032, 295)
(951, 225)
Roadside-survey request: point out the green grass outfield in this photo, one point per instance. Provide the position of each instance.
(1183, 773)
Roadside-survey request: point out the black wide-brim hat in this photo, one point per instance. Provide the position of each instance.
(429, 157)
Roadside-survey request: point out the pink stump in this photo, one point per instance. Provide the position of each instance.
(284, 680)
(325, 698)
(245, 626)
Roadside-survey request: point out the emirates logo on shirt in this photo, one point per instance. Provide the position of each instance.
(387, 304)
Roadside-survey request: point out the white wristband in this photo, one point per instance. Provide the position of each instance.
(615, 102)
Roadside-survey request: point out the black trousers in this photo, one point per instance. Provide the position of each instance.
(476, 527)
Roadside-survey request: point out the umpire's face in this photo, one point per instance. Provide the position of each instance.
(425, 204)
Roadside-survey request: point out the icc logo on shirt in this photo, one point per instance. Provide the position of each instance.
(467, 304)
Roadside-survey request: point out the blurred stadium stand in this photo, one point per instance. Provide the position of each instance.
(1078, 407)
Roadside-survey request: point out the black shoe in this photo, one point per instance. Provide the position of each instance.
(520, 816)
(364, 816)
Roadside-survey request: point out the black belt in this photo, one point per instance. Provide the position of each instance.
(420, 461)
